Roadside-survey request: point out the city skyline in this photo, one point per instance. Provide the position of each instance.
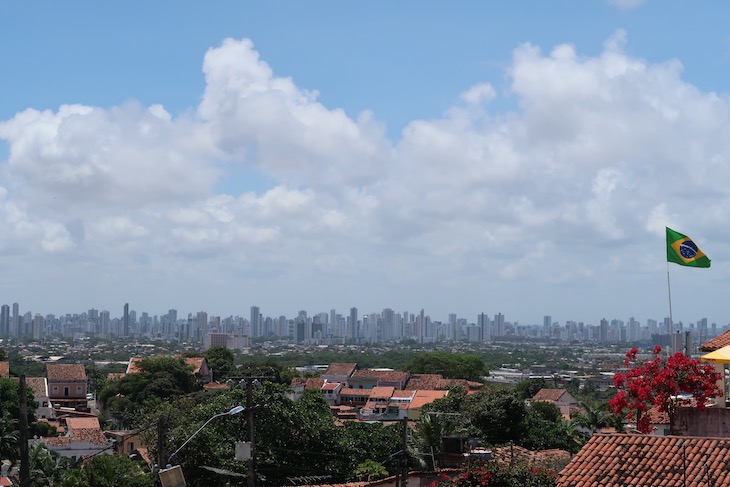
(474, 158)
(254, 317)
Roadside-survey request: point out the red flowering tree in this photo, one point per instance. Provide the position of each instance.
(494, 475)
(658, 382)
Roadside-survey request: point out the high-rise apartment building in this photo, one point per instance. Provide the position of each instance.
(485, 331)
(5, 320)
(125, 320)
(17, 324)
(499, 325)
(255, 321)
(353, 331)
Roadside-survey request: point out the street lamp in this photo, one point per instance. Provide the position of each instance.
(234, 410)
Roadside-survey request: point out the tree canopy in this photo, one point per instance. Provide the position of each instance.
(449, 365)
(158, 380)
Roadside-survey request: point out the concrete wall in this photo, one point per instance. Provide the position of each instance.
(713, 422)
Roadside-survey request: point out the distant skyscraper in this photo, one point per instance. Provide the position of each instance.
(353, 331)
(17, 324)
(37, 327)
(547, 325)
(255, 321)
(483, 326)
(104, 322)
(499, 325)
(125, 320)
(5, 320)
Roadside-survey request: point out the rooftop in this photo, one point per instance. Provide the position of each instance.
(65, 372)
(716, 343)
(644, 460)
(341, 369)
(4, 370)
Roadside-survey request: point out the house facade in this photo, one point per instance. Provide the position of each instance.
(67, 385)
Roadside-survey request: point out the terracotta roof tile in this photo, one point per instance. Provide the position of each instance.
(215, 386)
(4, 370)
(722, 340)
(341, 369)
(381, 375)
(421, 398)
(313, 383)
(665, 461)
(83, 423)
(428, 382)
(196, 362)
(522, 456)
(65, 372)
(548, 394)
(38, 385)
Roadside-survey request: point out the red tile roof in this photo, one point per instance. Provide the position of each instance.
(341, 369)
(549, 395)
(83, 423)
(215, 386)
(421, 398)
(38, 385)
(382, 375)
(522, 456)
(65, 372)
(644, 460)
(722, 340)
(196, 362)
(428, 382)
(4, 370)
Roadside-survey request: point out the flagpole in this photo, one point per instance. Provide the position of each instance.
(669, 290)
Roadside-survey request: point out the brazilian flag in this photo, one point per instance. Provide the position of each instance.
(683, 251)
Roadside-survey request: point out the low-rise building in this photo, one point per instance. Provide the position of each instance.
(67, 385)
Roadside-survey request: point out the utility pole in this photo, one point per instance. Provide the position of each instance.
(24, 456)
(404, 455)
(249, 418)
(250, 380)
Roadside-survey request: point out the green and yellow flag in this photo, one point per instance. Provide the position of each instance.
(683, 251)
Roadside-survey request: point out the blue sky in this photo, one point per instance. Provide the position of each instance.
(463, 157)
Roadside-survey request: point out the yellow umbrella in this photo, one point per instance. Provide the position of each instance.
(719, 356)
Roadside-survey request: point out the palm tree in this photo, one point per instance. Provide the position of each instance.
(592, 419)
(9, 437)
(426, 436)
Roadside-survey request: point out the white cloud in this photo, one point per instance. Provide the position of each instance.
(601, 154)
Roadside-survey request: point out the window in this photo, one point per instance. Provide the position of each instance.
(55, 389)
(78, 389)
(65, 391)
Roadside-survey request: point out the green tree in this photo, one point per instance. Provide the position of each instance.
(220, 361)
(46, 468)
(496, 415)
(592, 419)
(526, 389)
(449, 365)
(544, 428)
(370, 470)
(158, 380)
(10, 400)
(108, 471)
(9, 435)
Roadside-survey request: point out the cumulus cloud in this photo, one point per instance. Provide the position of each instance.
(601, 149)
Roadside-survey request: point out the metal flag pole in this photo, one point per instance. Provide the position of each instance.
(669, 290)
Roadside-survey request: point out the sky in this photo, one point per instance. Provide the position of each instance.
(521, 158)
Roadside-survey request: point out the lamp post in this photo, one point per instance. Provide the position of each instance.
(234, 410)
